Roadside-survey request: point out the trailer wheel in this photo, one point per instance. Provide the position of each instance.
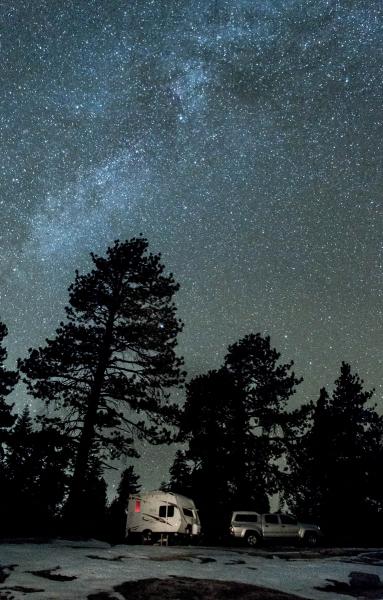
(252, 539)
(147, 537)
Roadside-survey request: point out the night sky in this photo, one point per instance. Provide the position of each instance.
(242, 138)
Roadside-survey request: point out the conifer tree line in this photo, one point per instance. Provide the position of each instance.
(104, 380)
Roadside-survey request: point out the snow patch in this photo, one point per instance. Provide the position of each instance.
(78, 569)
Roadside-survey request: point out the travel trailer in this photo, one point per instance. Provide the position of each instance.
(157, 515)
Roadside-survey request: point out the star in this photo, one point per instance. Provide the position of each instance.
(243, 139)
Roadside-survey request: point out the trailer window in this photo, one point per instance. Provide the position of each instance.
(188, 512)
(166, 511)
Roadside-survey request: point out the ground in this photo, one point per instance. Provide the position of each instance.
(187, 588)
(95, 570)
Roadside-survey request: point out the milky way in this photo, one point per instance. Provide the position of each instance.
(244, 139)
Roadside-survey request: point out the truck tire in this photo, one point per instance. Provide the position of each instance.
(311, 538)
(147, 537)
(252, 539)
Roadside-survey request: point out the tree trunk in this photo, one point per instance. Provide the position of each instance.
(75, 504)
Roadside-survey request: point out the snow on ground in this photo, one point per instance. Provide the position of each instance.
(73, 570)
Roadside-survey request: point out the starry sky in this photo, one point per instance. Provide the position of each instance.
(242, 138)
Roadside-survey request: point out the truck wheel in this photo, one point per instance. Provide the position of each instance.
(146, 537)
(252, 539)
(311, 538)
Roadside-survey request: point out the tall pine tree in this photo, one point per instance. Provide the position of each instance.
(36, 478)
(111, 363)
(333, 466)
(180, 476)
(129, 485)
(306, 475)
(205, 426)
(263, 420)
(8, 380)
(18, 493)
(235, 424)
(94, 502)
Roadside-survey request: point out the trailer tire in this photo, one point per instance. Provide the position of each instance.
(252, 539)
(147, 537)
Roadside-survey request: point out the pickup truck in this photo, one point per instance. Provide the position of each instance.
(253, 528)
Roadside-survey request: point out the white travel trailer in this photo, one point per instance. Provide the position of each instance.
(155, 515)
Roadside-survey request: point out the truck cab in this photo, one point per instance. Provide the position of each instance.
(253, 528)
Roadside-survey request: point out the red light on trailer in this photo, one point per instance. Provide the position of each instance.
(138, 506)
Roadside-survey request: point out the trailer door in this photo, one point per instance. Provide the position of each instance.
(169, 515)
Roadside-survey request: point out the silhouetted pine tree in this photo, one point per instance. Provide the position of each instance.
(306, 479)
(36, 468)
(52, 463)
(374, 491)
(235, 423)
(20, 476)
(205, 424)
(8, 380)
(180, 476)
(110, 364)
(93, 507)
(129, 485)
(333, 467)
(262, 421)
